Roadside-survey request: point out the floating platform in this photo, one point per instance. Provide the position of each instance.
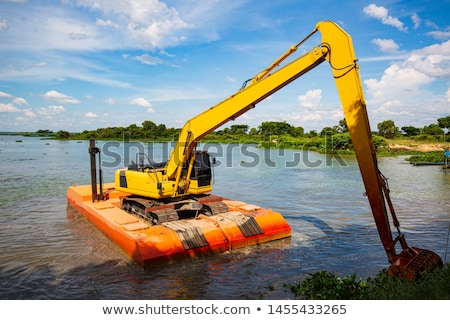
(243, 225)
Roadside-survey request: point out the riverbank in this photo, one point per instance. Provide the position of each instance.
(417, 147)
(418, 152)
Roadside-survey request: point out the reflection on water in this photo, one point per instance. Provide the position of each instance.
(49, 251)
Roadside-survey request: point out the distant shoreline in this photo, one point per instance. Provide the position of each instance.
(395, 146)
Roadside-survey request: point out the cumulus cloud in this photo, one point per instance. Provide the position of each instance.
(147, 23)
(395, 80)
(91, 115)
(386, 45)
(50, 111)
(60, 98)
(403, 90)
(9, 108)
(29, 113)
(141, 102)
(95, 24)
(311, 98)
(382, 14)
(433, 60)
(418, 70)
(5, 95)
(20, 101)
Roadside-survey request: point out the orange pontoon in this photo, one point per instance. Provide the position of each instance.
(243, 225)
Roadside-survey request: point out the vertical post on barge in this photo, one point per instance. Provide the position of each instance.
(446, 157)
(93, 150)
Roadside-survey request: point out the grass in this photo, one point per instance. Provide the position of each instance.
(434, 285)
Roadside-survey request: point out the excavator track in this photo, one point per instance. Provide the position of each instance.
(157, 212)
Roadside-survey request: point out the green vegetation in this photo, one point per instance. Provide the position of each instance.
(272, 134)
(428, 157)
(434, 285)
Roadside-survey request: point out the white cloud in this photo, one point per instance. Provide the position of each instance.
(106, 23)
(141, 102)
(3, 24)
(5, 95)
(407, 80)
(416, 20)
(311, 98)
(144, 23)
(91, 115)
(391, 108)
(312, 116)
(147, 59)
(59, 97)
(382, 14)
(9, 108)
(110, 101)
(94, 24)
(440, 35)
(431, 24)
(433, 60)
(50, 111)
(396, 80)
(29, 113)
(20, 101)
(386, 45)
(403, 93)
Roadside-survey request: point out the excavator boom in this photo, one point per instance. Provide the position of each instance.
(336, 48)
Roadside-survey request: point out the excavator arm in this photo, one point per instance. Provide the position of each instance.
(261, 87)
(336, 48)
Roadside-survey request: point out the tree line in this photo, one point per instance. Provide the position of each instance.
(265, 131)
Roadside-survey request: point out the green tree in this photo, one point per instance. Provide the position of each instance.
(148, 125)
(444, 122)
(297, 132)
(61, 134)
(411, 131)
(253, 132)
(312, 133)
(275, 128)
(387, 129)
(44, 131)
(239, 129)
(433, 129)
(328, 131)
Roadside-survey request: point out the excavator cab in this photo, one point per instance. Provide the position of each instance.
(201, 174)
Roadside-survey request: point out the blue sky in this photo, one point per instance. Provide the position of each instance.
(84, 64)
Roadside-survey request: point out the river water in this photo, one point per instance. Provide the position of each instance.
(49, 251)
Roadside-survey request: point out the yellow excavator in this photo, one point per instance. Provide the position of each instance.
(169, 191)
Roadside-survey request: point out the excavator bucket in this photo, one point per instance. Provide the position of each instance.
(411, 263)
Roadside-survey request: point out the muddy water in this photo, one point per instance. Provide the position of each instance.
(49, 251)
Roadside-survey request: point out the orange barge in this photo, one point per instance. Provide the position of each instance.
(243, 225)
